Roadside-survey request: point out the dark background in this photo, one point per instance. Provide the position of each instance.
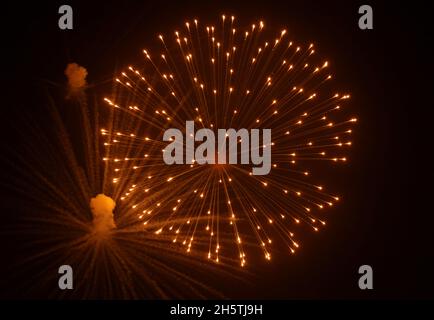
(385, 219)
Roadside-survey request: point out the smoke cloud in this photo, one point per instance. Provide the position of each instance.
(102, 208)
(76, 75)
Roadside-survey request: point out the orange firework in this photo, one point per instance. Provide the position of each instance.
(223, 77)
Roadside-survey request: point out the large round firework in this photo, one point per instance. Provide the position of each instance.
(221, 76)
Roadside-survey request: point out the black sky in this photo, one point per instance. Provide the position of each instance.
(386, 217)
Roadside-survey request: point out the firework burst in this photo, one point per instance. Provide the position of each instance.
(223, 77)
(67, 220)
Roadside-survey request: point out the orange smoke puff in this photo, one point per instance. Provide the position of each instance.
(102, 208)
(76, 75)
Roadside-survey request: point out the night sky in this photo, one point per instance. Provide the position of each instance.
(386, 216)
